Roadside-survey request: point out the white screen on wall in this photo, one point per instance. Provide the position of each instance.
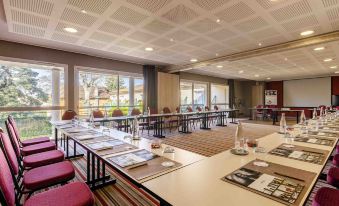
(307, 92)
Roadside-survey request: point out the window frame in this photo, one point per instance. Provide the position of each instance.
(227, 103)
(196, 82)
(39, 108)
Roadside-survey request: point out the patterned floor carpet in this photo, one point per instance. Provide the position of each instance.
(216, 140)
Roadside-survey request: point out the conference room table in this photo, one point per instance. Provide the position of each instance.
(253, 110)
(97, 161)
(200, 184)
(276, 112)
(183, 118)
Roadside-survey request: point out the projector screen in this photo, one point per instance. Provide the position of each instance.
(307, 92)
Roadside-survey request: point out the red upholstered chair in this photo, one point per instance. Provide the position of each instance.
(29, 149)
(135, 112)
(40, 177)
(68, 115)
(28, 142)
(189, 109)
(216, 108)
(30, 161)
(71, 194)
(177, 109)
(199, 109)
(259, 112)
(170, 121)
(98, 113)
(326, 196)
(117, 113)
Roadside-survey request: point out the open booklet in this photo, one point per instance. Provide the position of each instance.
(133, 158)
(278, 188)
(109, 144)
(88, 136)
(306, 156)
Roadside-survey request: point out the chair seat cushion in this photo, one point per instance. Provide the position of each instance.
(43, 158)
(34, 141)
(337, 149)
(326, 196)
(72, 194)
(333, 176)
(335, 160)
(37, 148)
(48, 175)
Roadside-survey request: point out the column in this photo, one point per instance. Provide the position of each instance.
(55, 114)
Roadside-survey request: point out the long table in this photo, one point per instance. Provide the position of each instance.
(96, 176)
(200, 184)
(197, 181)
(183, 119)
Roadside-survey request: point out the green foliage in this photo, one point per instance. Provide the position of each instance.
(113, 84)
(19, 87)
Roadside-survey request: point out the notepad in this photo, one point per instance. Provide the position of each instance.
(88, 136)
(100, 146)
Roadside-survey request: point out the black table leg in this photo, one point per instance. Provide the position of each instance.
(297, 117)
(221, 121)
(75, 155)
(158, 130)
(56, 137)
(204, 122)
(233, 117)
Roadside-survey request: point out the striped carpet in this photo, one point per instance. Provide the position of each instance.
(216, 140)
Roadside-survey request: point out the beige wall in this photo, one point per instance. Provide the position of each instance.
(243, 93)
(168, 91)
(23, 51)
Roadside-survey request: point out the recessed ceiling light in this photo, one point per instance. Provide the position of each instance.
(319, 48)
(268, 78)
(70, 30)
(285, 59)
(256, 75)
(83, 11)
(259, 44)
(328, 60)
(216, 54)
(149, 49)
(333, 67)
(241, 71)
(171, 39)
(337, 72)
(218, 20)
(193, 60)
(220, 66)
(306, 33)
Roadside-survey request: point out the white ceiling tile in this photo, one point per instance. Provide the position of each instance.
(128, 16)
(180, 35)
(210, 4)
(64, 38)
(29, 19)
(221, 34)
(141, 36)
(97, 6)
(27, 30)
(235, 13)
(204, 25)
(102, 37)
(180, 14)
(298, 8)
(113, 28)
(150, 5)
(158, 27)
(251, 24)
(41, 7)
(77, 17)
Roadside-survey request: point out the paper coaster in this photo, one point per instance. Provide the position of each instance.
(167, 164)
(260, 164)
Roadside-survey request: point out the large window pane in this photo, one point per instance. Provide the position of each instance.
(200, 95)
(124, 94)
(138, 93)
(33, 85)
(186, 93)
(219, 95)
(26, 87)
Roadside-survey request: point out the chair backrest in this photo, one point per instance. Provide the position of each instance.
(166, 110)
(68, 115)
(97, 113)
(199, 109)
(135, 112)
(177, 110)
(7, 185)
(189, 109)
(16, 130)
(12, 155)
(13, 138)
(117, 113)
(322, 106)
(216, 107)
(207, 108)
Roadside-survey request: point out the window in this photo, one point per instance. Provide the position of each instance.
(193, 94)
(33, 94)
(108, 91)
(219, 96)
